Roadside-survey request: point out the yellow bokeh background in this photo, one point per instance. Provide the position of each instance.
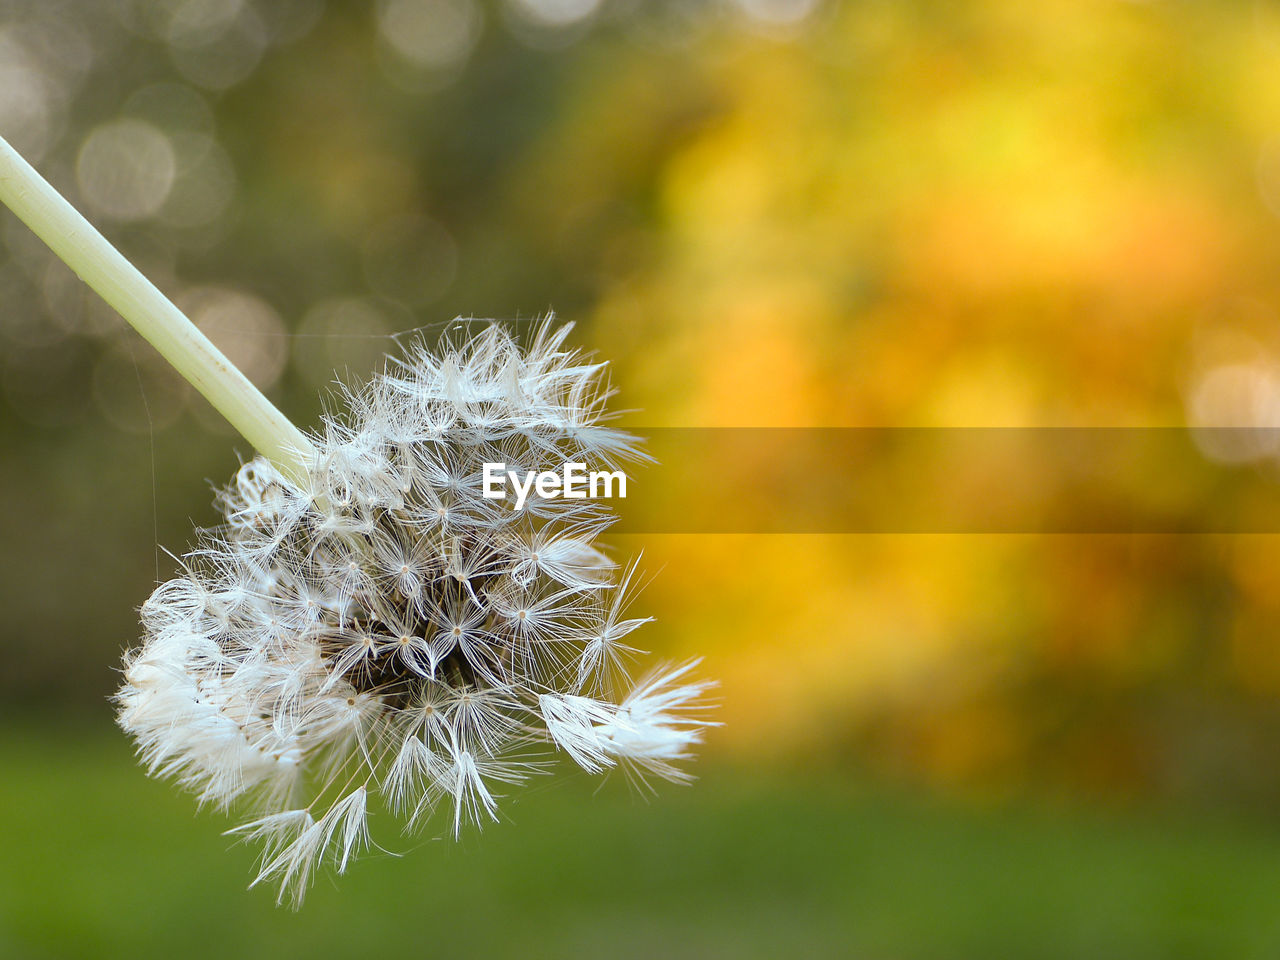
(770, 214)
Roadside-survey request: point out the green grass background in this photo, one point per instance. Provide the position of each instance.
(98, 860)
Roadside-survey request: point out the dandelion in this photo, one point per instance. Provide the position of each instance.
(366, 628)
(390, 630)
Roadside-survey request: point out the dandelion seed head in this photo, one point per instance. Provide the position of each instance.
(390, 631)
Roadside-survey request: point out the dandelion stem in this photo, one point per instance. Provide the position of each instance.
(152, 314)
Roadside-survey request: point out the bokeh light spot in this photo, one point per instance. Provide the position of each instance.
(22, 323)
(242, 326)
(25, 100)
(554, 13)
(1234, 396)
(206, 182)
(195, 22)
(431, 34)
(779, 12)
(341, 338)
(288, 21)
(126, 169)
(215, 43)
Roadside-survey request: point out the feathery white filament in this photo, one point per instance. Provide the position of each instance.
(384, 628)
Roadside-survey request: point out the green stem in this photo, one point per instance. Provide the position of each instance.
(153, 315)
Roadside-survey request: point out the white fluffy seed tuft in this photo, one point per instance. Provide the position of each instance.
(391, 630)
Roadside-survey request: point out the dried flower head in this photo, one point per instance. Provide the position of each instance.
(391, 632)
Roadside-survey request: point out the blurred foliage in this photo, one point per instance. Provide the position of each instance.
(764, 212)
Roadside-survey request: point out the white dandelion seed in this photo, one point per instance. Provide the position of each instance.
(392, 632)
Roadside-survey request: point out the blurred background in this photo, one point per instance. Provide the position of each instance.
(763, 213)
